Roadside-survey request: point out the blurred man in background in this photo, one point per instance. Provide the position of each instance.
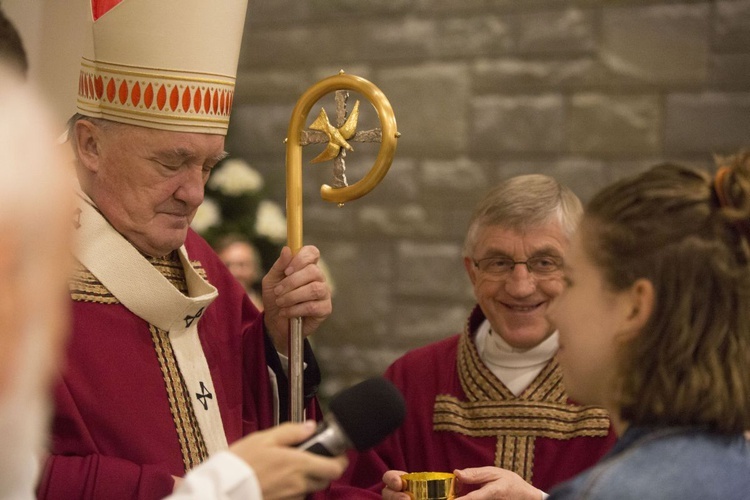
(243, 260)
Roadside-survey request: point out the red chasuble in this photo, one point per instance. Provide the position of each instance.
(460, 415)
(123, 423)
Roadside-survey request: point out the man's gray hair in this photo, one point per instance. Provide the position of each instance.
(522, 202)
(70, 135)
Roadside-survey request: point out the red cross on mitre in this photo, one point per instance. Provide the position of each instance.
(101, 7)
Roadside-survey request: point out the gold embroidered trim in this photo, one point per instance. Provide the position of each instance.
(479, 383)
(516, 454)
(492, 409)
(518, 418)
(85, 287)
(192, 444)
(171, 268)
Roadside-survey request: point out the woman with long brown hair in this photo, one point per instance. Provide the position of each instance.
(654, 325)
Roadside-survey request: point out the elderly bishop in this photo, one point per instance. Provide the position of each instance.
(169, 361)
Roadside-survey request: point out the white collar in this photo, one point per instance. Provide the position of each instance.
(495, 351)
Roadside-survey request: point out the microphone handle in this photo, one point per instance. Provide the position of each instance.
(319, 449)
(329, 439)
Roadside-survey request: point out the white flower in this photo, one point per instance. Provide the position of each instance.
(236, 177)
(270, 222)
(207, 215)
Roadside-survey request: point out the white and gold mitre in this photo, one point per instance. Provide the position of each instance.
(165, 64)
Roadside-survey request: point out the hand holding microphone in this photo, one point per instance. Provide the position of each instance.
(282, 471)
(358, 417)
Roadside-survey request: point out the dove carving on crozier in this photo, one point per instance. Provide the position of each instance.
(337, 137)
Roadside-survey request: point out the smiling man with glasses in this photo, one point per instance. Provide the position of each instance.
(499, 267)
(489, 403)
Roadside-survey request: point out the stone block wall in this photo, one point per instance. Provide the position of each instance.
(586, 91)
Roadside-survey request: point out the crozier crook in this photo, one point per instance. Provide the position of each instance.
(337, 142)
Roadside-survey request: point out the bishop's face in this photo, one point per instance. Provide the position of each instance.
(515, 303)
(149, 183)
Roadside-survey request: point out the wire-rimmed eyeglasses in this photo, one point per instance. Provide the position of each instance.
(541, 267)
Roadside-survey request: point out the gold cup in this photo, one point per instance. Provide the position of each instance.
(430, 485)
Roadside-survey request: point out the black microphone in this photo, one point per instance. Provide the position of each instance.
(359, 417)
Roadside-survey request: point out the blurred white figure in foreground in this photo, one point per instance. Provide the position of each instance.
(36, 210)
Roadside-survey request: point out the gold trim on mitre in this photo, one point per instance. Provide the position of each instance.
(164, 64)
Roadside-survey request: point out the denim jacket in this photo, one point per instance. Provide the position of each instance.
(666, 463)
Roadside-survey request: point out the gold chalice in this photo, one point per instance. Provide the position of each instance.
(430, 485)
